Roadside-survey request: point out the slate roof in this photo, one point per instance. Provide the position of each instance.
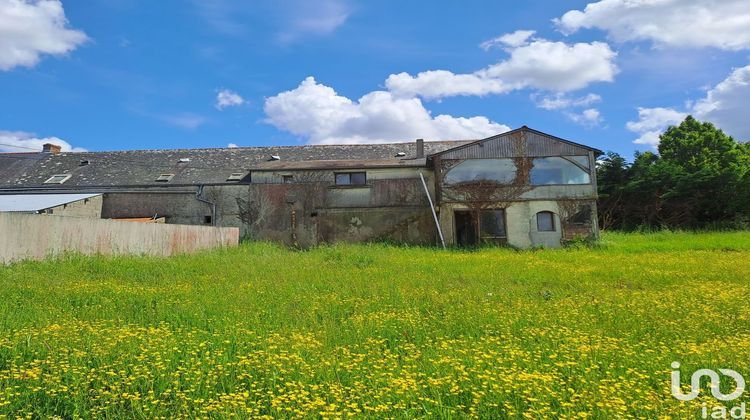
(205, 166)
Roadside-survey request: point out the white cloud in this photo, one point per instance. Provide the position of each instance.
(679, 23)
(232, 146)
(560, 101)
(513, 39)
(32, 28)
(539, 64)
(20, 141)
(588, 117)
(652, 122)
(321, 17)
(317, 112)
(726, 105)
(434, 84)
(226, 98)
(566, 104)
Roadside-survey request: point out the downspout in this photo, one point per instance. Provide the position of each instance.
(199, 197)
(432, 207)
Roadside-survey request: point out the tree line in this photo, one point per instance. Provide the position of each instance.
(699, 179)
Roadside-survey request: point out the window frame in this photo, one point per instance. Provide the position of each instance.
(552, 221)
(287, 179)
(51, 180)
(164, 178)
(588, 172)
(482, 236)
(349, 177)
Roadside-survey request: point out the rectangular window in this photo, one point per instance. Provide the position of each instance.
(57, 179)
(545, 221)
(288, 179)
(351, 178)
(492, 224)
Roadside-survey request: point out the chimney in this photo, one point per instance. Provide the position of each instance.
(420, 148)
(50, 148)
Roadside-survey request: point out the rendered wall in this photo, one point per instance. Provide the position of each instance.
(24, 236)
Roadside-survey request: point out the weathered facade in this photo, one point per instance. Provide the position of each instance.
(524, 188)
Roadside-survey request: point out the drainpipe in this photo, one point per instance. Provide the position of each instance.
(199, 197)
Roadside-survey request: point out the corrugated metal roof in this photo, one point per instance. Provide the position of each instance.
(37, 202)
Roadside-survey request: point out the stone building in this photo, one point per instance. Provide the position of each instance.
(523, 187)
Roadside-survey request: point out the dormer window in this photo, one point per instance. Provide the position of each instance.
(164, 178)
(58, 179)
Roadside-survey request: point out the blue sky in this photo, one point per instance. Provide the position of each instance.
(127, 74)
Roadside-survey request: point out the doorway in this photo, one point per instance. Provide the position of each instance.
(466, 229)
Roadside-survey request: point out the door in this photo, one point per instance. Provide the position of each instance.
(466, 229)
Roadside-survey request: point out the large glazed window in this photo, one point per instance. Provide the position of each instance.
(556, 171)
(496, 170)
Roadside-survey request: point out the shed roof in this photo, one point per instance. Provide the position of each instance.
(37, 202)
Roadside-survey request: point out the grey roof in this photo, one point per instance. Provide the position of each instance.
(37, 202)
(205, 166)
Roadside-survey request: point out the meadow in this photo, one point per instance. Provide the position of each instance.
(376, 331)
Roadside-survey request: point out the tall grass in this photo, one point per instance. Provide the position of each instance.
(375, 330)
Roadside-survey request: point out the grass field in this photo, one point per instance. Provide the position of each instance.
(376, 330)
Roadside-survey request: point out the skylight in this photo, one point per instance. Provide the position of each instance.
(275, 157)
(235, 176)
(164, 177)
(58, 179)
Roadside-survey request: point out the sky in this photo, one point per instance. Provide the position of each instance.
(126, 74)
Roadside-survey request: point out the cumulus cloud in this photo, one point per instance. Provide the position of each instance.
(20, 141)
(232, 146)
(32, 28)
(679, 23)
(226, 98)
(538, 64)
(725, 105)
(317, 112)
(652, 122)
(588, 117)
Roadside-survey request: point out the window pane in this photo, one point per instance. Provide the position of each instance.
(581, 160)
(492, 223)
(545, 221)
(556, 170)
(357, 178)
(342, 179)
(498, 170)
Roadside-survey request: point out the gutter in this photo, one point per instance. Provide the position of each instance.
(199, 197)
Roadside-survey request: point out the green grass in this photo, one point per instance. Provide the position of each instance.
(376, 330)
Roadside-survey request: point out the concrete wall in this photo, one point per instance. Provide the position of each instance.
(24, 236)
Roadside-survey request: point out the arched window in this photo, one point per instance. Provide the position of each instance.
(545, 221)
(557, 171)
